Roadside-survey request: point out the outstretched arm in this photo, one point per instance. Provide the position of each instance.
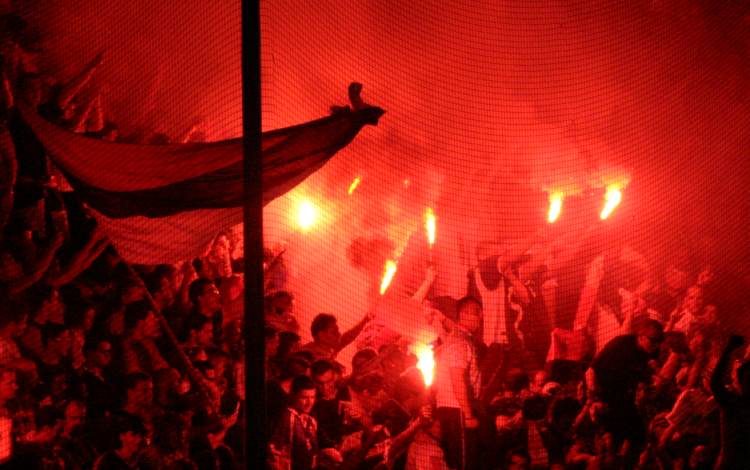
(349, 337)
(589, 292)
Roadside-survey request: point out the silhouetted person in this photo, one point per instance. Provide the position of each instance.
(735, 411)
(614, 377)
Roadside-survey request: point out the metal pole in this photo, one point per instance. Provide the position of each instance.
(256, 432)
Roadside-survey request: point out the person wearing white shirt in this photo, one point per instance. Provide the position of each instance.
(457, 388)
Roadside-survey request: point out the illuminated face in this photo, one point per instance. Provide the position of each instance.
(131, 442)
(326, 384)
(142, 393)
(305, 400)
(211, 298)
(470, 317)
(8, 386)
(518, 462)
(75, 413)
(103, 354)
(206, 334)
(330, 336)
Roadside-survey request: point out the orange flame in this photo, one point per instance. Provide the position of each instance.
(307, 215)
(612, 199)
(390, 271)
(426, 363)
(354, 185)
(555, 207)
(430, 225)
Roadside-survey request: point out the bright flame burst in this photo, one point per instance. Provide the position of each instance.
(307, 215)
(612, 199)
(430, 225)
(555, 207)
(354, 185)
(425, 363)
(390, 271)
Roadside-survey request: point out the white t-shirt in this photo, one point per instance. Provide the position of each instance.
(458, 352)
(425, 454)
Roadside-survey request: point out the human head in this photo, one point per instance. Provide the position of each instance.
(272, 341)
(131, 433)
(470, 314)
(371, 390)
(80, 315)
(324, 375)
(139, 389)
(650, 336)
(31, 89)
(282, 302)
(325, 330)
(364, 361)
(204, 295)
(57, 339)
(296, 364)
(98, 352)
(75, 414)
(140, 321)
(201, 330)
(710, 315)
(8, 385)
(13, 321)
(303, 394)
(517, 459)
(160, 284)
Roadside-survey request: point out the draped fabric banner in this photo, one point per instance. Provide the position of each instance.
(164, 203)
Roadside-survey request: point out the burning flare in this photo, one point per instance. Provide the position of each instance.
(430, 225)
(555, 207)
(426, 363)
(307, 215)
(390, 271)
(354, 185)
(611, 200)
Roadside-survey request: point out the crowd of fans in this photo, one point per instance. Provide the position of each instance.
(103, 364)
(107, 365)
(666, 388)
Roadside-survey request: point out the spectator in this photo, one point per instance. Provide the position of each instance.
(131, 435)
(457, 387)
(614, 377)
(206, 302)
(328, 340)
(294, 443)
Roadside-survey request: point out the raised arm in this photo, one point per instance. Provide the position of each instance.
(349, 337)
(589, 293)
(424, 288)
